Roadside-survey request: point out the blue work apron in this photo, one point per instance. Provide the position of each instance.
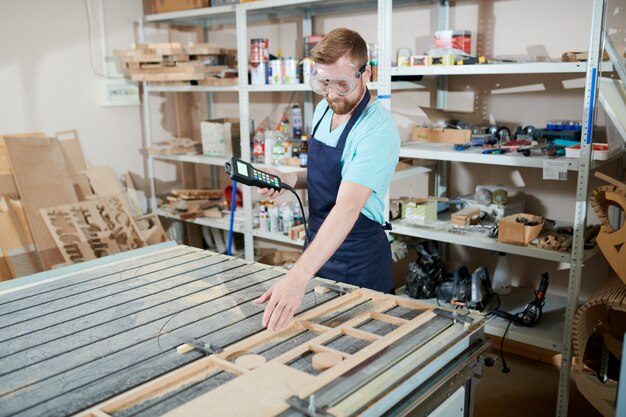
(364, 258)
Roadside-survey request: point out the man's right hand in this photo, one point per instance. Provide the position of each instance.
(287, 178)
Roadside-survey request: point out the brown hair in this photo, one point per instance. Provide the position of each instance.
(338, 43)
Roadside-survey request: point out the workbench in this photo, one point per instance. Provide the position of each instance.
(161, 331)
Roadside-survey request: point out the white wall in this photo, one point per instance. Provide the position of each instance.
(47, 83)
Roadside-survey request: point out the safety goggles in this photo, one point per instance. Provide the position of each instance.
(342, 84)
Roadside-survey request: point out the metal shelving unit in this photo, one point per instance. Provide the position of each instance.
(556, 334)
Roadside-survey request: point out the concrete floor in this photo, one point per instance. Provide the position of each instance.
(529, 389)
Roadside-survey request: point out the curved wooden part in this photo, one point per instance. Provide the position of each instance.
(250, 361)
(610, 180)
(324, 360)
(611, 242)
(591, 317)
(600, 395)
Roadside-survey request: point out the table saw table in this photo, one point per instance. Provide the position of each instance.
(108, 338)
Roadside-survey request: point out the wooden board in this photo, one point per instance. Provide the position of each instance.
(75, 161)
(43, 180)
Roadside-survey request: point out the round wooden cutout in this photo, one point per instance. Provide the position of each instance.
(324, 360)
(250, 361)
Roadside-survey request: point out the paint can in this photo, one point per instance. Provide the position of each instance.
(259, 50)
(291, 71)
(258, 74)
(274, 72)
(307, 68)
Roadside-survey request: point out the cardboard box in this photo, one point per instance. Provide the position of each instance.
(435, 134)
(419, 210)
(516, 233)
(220, 138)
(164, 6)
(438, 134)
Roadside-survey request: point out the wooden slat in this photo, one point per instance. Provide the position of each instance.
(117, 294)
(48, 301)
(124, 338)
(69, 282)
(206, 285)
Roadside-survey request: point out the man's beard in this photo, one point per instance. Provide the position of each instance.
(341, 105)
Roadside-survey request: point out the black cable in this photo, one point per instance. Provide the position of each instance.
(505, 368)
(306, 229)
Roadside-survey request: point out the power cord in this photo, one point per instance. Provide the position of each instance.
(306, 229)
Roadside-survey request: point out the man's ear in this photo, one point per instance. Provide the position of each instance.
(367, 74)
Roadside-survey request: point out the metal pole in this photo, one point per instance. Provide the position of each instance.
(590, 100)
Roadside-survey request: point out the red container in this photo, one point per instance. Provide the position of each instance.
(259, 50)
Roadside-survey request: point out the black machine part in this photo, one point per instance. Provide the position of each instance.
(531, 314)
(471, 290)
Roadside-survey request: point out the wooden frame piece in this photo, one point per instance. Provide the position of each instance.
(278, 378)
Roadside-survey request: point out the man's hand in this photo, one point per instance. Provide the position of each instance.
(284, 177)
(284, 299)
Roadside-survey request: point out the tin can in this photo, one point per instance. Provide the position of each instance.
(258, 74)
(307, 68)
(291, 71)
(274, 72)
(259, 50)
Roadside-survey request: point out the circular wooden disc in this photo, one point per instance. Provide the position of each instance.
(324, 360)
(250, 361)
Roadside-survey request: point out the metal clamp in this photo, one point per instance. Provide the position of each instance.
(203, 347)
(337, 288)
(307, 408)
(453, 315)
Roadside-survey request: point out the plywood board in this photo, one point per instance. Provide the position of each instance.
(16, 241)
(103, 181)
(43, 180)
(75, 161)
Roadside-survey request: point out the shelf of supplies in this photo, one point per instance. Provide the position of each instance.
(276, 237)
(547, 334)
(223, 223)
(441, 231)
(196, 159)
(444, 152)
(513, 68)
(181, 88)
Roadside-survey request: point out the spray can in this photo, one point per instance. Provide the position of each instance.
(296, 120)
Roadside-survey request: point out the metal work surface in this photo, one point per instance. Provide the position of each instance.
(73, 342)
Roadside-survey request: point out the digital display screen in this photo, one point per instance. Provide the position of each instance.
(242, 168)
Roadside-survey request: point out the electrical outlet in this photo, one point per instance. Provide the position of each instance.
(116, 92)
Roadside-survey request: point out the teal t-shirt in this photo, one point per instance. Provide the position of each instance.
(370, 155)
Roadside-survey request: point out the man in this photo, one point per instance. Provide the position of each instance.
(353, 152)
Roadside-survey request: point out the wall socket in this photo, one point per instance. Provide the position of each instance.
(119, 92)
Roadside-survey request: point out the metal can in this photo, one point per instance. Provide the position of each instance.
(274, 72)
(259, 50)
(258, 74)
(307, 68)
(291, 71)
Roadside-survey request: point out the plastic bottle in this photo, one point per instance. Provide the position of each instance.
(273, 213)
(304, 151)
(258, 146)
(269, 147)
(288, 218)
(296, 120)
(297, 215)
(502, 276)
(278, 149)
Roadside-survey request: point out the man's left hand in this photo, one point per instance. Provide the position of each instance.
(284, 299)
